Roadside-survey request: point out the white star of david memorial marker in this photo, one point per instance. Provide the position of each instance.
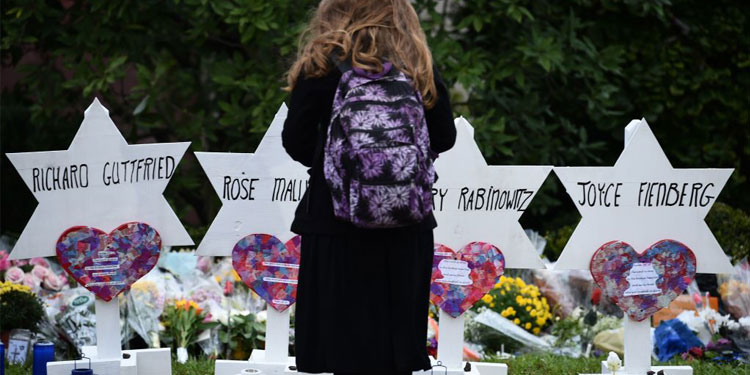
(99, 181)
(474, 201)
(641, 200)
(259, 192)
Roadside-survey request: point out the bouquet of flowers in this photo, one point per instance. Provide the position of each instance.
(184, 321)
(145, 303)
(519, 302)
(39, 274)
(20, 308)
(735, 290)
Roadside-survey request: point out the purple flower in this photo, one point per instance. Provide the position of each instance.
(399, 196)
(373, 93)
(360, 139)
(379, 204)
(372, 164)
(403, 165)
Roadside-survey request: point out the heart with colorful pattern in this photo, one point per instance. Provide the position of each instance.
(642, 284)
(108, 264)
(460, 279)
(269, 267)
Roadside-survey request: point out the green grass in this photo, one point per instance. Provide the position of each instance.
(548, 364)
(529, 364)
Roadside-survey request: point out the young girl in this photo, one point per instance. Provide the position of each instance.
(363, 294)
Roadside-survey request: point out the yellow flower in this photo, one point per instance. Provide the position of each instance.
(502, 292)
(8, 286)
(528, 308)
(536, 330)
(517, 321)
(487, 298)
(236, 276)
(527, 326)
(540, 321)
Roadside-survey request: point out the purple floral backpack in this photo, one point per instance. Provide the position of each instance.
(377, 159)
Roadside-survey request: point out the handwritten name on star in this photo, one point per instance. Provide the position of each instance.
(94, 173)
(645, 194)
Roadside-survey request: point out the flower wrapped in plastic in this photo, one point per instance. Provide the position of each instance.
(520, 303)
(735, 290)
(145, 303)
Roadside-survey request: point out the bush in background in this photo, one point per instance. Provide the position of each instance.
(543, 82)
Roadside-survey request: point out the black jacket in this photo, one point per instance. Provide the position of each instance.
(304, 137)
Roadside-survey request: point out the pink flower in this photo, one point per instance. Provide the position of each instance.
(53, 282)
(39, 262)
(228, 288)
(19, 262)
(4, 262)
(204, 264)
(14, 275)
(40, 272)
(31, 281)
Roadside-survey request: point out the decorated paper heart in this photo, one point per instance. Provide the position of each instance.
(269, 267)
(460, 279)
(642, 284)
(108, 264)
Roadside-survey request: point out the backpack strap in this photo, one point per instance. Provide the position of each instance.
(343, 66)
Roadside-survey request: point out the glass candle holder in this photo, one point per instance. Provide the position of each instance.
(43, 352)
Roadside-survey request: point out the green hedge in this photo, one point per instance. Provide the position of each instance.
(543, 81)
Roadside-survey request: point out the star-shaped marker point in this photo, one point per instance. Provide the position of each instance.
(642, 200)
(259, 191)
(477, 202)
(99, 181)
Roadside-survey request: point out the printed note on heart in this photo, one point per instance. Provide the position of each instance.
(269, 267)
(460, 279)
(108, 264)
(642, 284)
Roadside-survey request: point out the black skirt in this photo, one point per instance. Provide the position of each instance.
(362, 302)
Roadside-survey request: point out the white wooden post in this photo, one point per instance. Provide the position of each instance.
(451, 340)
(638, 346)
(277, 335)
(108, 345)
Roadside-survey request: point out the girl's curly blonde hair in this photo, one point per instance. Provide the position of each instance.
(369, 32)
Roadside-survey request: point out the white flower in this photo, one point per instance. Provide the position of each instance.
(745, 322)
(576, 313)
(613, 362)
(261, 316)
(695, 323)
(732, 325)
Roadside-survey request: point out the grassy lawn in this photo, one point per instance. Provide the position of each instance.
(530, 364)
